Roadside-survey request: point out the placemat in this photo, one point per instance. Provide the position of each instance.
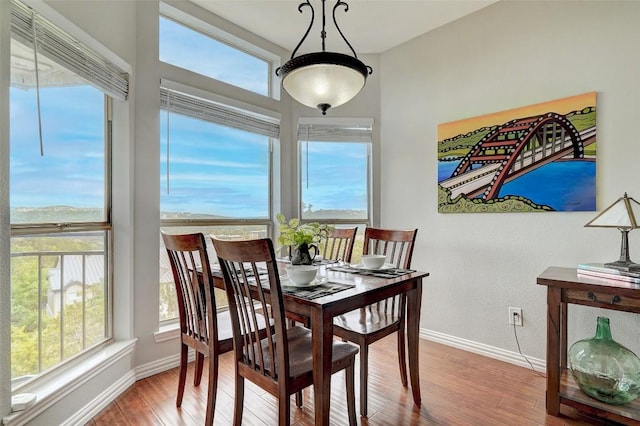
(316, 291)
(380, 273)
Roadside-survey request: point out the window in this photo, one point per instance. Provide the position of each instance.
(334, 164)
(216, 152)
(334, 158)
(60, 195)
(212, 57)
(215, 174)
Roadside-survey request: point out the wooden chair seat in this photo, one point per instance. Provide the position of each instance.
(301, 354)
(368, 321)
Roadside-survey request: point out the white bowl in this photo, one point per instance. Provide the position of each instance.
(301, 274)
(373, 261)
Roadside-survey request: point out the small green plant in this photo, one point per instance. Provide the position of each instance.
(295, 233)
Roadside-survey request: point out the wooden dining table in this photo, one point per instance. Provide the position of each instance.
(360, 290)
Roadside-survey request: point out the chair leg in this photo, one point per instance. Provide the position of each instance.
(284, 409)
(402, 357)
(197, 374)
(299, 399)
(182, 378)
(239, 401)
(212, 388)
(351, 397)
(364, 373)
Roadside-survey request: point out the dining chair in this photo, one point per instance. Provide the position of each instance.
(202, 328)
(339, 244)
(367, 325)
(281, 363)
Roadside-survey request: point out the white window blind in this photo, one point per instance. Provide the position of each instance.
(60, 47)
(343, 130)
(209, 110)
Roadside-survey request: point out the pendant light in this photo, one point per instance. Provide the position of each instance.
(323, 79)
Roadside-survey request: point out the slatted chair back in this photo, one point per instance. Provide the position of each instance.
(197, 311)
(395, 244)
(339, 244)
(192, 278)
(249, 268)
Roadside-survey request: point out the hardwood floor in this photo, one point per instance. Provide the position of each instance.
(458, 388)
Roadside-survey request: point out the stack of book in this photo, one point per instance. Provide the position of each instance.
(598, 270)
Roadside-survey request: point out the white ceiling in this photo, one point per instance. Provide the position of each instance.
(371, 26)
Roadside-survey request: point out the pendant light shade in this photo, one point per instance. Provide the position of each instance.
(323, 79)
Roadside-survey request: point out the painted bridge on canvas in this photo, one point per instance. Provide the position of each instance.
(513, 149)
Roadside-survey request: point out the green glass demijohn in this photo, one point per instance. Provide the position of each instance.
(604, 369)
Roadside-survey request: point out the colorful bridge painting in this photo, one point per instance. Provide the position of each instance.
(535, 158)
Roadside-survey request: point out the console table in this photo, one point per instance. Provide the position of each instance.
(565, 286)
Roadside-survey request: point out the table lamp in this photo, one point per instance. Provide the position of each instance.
(620, 215)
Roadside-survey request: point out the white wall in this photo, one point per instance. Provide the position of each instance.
(510, 54)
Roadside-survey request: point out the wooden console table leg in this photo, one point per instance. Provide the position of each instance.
(563, 337)
(553, 349)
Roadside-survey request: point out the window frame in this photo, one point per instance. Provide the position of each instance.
(336, 123)
(232, 104)
(192, 83)
(216, 33)
(66, 45)
(106, 226)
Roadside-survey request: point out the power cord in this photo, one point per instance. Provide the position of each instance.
(520, 351)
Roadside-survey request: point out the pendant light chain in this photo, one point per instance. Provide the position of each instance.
(323, 33)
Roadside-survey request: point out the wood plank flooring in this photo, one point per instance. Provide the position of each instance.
(458, 388)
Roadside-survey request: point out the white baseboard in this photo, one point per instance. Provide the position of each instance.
(482, 349)
(164, 364)
(161, 365)
(59, 387)
(109, 395)
(92, 409)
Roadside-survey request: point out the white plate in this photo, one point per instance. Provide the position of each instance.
(364, 268)
(317, 281)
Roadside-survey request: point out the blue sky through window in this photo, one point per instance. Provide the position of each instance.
(213, 169)
(189, 49)
(71, 172)
(334, 177)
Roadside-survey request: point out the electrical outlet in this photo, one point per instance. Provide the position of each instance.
(515, 316)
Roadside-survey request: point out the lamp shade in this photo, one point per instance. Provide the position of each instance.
(323, 79)
(620, 214)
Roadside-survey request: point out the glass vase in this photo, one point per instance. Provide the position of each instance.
(603, 368)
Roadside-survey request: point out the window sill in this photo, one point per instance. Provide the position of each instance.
(167, 332)
(53, 390)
